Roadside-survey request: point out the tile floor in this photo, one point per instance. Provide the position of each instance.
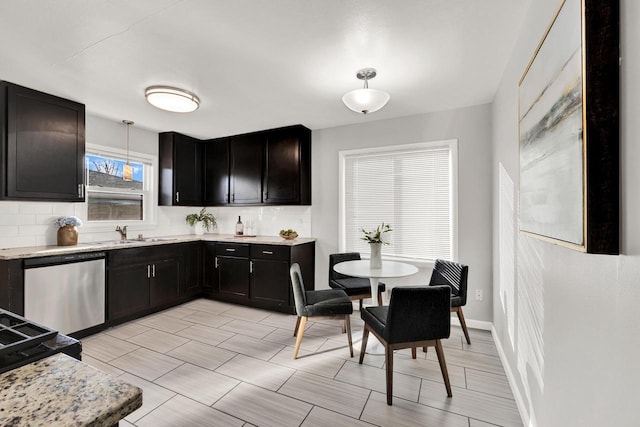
(208, 363)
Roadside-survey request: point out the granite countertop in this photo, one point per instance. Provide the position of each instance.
(61, 390)
(37, 251)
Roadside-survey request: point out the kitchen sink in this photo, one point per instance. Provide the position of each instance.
(159, 239)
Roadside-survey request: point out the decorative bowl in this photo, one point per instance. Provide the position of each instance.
(289, 236)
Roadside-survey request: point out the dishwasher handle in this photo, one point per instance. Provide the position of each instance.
(62, 259)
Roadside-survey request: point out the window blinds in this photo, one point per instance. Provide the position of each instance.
(411, 189)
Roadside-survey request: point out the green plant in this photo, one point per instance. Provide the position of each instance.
(206, 218)
(375, 236)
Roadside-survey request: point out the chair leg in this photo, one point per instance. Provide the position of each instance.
(424, 349)
(295, 331)
(443, 366)
(379, 298)
(365, 337)
(360, 306)
(343, 326)
(388, 358)
(303, 322)
(463, 324)
(347, 324)
(413, 353)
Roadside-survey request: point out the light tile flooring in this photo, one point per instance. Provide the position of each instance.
(208, 363)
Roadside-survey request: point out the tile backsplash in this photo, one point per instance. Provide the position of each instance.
(25, 224)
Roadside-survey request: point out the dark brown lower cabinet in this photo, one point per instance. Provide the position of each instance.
(256, 275)
(164, 282)
(127, 291)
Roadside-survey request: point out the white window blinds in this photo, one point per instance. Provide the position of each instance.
(410, 187)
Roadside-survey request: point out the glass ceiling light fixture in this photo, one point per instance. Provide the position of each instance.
(127, 170)
(172, 99)
(366, 100)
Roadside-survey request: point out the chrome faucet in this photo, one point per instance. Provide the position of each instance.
(123, 232)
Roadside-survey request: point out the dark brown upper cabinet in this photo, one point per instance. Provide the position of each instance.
(245, 169)
(180, 170)
(42, 146)
(287, 167)
(216, 174)
(268, 167)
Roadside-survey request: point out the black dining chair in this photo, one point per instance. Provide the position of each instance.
(454, 275)
(357, 288)
(417, 316)
(323, 302)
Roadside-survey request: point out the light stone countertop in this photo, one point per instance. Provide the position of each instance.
(38, 251)
(61, 390)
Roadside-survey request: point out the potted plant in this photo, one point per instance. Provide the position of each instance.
(67, 231)
(374, 238)
(202, 221)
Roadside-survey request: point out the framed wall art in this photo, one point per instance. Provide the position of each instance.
(568, 130)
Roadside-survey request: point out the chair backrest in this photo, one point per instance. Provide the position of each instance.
(453, 275)
(336, 258)
(418, 313)
(299, 293)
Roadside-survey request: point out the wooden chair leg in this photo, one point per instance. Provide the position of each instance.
(295, 331)
(379, 298)
(343, 326)
(303, 322)
(424, 349)
(365, 337)
(347, 324)
(360, 306)
(463, 324)
(443, 366)
(388, 358)
(413, 353)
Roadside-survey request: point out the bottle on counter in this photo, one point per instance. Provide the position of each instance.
(239, 227)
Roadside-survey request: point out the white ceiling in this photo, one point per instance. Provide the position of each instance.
(258, 64)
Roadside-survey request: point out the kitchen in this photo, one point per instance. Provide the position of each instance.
(105, 50)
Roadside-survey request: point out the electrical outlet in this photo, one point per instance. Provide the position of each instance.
(479, 296)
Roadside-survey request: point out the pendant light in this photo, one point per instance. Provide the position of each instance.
(172, 99)
(366, 100)
(127, 170)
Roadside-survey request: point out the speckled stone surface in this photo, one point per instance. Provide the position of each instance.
(62, 391)
(37, 251)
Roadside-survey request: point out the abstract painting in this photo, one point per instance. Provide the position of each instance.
(562, 103)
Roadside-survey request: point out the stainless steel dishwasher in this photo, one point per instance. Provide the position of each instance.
(65, 292)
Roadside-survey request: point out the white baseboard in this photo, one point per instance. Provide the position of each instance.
(475, 324)
(520, 403)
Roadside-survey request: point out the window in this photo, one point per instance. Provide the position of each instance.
(109, 197)
(412, 187)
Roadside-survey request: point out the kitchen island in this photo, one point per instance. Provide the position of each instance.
(61, 390)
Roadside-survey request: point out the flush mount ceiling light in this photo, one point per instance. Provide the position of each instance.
(172, 99)
(366, 100)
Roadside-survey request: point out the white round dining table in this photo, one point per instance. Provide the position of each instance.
(362, 268)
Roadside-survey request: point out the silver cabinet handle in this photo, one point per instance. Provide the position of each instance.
(267, 252)
(216, 263)
(250, 266)
(148, 271)
(177, 197)
(80, 191)
(153, 269)
(230, 250)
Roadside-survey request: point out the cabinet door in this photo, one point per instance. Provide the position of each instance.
(45, 146)
(164, 283)
(246, 169)
(209, 261)
(191, 268)
(180, 161)
(270, 282)
(216, 177)
(233, 276)
(282, 168)
(127, 290)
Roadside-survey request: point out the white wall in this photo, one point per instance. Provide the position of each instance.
(32, 223)
(589, 334)
(472, 127)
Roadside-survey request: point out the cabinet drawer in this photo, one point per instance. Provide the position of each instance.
(232, 249)
(278, 252)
